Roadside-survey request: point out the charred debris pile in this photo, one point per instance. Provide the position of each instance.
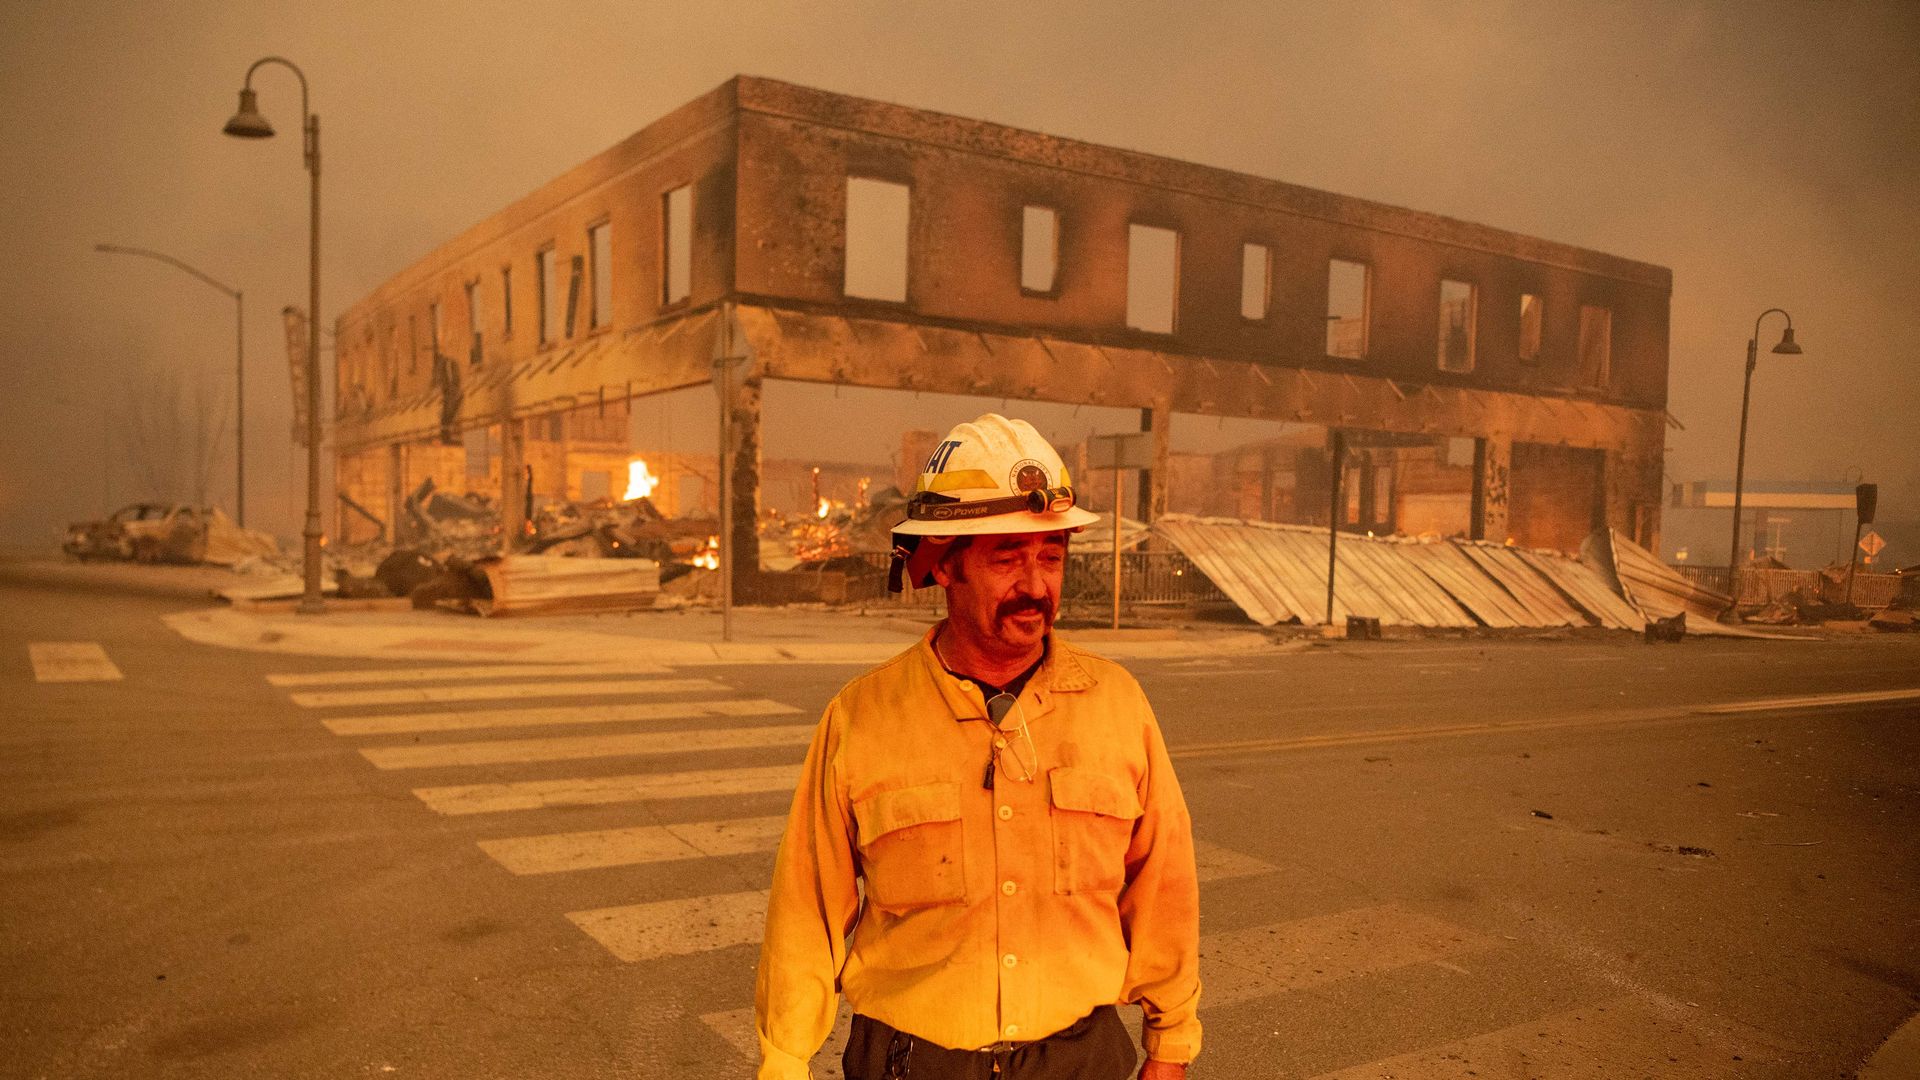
(612, 554)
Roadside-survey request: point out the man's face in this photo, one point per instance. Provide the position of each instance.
(1004, 591)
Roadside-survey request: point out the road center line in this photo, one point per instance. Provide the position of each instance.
(1810, 701)
(71, 661)
(1648, 717)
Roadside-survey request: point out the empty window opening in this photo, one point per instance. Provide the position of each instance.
(1153, 278)
(473, 322)
(1039, 248)
(506, 301)
(1347, 296)
(546, 279)
(1596, 346)
(878, 220)
(1256, 280)
(433, 328)
(676, 245)
(577, 270)
(1531, 312)
(600, 251)
(413, 344)
(1456, 326)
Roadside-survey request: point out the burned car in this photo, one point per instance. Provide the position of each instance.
(167, 532)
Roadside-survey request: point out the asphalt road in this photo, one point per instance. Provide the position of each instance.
(1423, 859)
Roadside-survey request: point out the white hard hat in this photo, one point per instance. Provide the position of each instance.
(989, 477)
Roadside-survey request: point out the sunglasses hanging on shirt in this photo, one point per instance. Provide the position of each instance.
(1028, 763)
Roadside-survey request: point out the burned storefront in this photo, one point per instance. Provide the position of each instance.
(1487, 386)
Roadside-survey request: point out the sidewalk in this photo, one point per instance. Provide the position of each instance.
(688, 636)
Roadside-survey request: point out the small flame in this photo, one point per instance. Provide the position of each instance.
(710, 558)
(640, 482)
(823, 509)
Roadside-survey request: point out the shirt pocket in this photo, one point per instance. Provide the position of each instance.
(911, 846)
(1093, 816)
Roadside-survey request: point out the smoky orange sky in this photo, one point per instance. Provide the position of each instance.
(1769, 153)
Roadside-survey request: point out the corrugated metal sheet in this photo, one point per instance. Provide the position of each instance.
(1469, 586)
(1277, 573)
(1656, 588)
(1587, 589)
(1544, 603)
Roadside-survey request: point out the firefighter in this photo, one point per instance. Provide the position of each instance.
(988, 849)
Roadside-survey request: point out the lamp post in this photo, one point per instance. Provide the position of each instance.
(239, 369)
(247, 123)
(1787, 347)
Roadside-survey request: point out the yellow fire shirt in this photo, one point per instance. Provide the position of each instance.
(989, 915)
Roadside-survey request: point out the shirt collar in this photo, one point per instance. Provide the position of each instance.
(1060, 672)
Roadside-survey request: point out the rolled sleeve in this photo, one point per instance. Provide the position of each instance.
(1160, 912)
(811, 909)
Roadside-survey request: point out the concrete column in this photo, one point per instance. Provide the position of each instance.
(513, 488)
(1160, 422)
(1492, 479)
(396, 491)
(743, 488)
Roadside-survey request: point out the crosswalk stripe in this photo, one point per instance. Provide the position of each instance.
(1211, 862)
(697, 924)
(444, 674)
(736, 1027)
(319, 699)
(71, 661)
(474, 719)
(1262, 961)
(1623, 1036)
(576, 747)
(560, 852)
(595, 790)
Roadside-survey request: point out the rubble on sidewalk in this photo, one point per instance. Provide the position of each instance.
(557, 585)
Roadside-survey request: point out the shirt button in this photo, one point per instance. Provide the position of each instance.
(999, 744)
(1009, 888)
(1012, 1030)
(1006, 813)
(1009, 960)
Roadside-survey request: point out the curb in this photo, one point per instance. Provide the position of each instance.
(121, 580)
(1898, 1058)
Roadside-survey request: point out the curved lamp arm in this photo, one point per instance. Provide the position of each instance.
(121, 249)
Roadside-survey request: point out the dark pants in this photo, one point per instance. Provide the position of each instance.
(1095, 1047)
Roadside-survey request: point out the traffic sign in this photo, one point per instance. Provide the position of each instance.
(1871, 543)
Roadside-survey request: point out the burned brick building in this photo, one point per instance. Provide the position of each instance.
(1488, 384)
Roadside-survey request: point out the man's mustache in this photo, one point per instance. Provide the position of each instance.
(1023, 604)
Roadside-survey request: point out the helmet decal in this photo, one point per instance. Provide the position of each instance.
(941, 455)
(1028, 475)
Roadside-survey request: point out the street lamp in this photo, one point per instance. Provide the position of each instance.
(239, 369)
(1787, 347)
(247, 123)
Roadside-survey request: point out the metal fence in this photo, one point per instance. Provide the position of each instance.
(1760, 587)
